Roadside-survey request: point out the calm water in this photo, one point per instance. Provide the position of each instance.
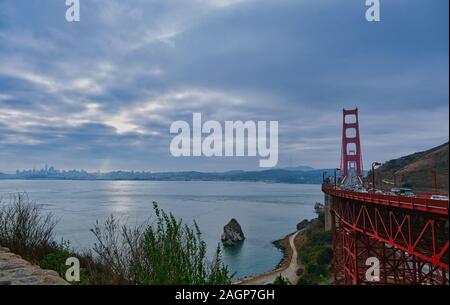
(265, 211)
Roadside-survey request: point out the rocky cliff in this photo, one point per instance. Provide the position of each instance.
(16, 271)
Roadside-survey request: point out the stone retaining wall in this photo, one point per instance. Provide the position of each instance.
(16, 271)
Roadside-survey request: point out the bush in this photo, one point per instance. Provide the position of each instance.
(165, 253)
(25, 229)
(280, 280)
(57, 259)
(307, 279)
(316, 255)
(325, 256)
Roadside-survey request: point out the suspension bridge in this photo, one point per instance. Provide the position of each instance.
(407, 234)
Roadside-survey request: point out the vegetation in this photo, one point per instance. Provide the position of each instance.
(282, 281)
(25, 230)
(416, 171)
(167, 252)
(316, 256)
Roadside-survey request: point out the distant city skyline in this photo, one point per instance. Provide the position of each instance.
(52, 169)
(297, 175)
(101, 94)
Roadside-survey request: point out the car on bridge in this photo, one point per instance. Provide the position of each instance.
(439, 197)
(402, 191)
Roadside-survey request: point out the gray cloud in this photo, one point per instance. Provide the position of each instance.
(102, 93)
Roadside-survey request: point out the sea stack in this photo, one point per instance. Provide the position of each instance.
(232, 233)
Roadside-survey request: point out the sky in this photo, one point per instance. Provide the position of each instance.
(101, 94)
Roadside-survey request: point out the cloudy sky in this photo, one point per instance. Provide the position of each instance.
(101, 94)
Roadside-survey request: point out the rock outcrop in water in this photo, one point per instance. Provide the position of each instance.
(232, 233)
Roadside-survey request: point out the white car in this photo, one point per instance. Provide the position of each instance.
(439, 197)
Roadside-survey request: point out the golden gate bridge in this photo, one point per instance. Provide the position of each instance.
(408, 235)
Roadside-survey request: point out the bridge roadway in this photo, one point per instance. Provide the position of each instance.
(421, 202)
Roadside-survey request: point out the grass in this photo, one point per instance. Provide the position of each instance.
(165, 252)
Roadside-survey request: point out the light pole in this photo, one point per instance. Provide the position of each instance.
(373, 174)
(433, 173)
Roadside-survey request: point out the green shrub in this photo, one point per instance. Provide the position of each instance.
(167, 252)
(280, 280)
(316, 255)
(325, 256)
(57, 260)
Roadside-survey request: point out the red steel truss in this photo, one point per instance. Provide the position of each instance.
(409, 236)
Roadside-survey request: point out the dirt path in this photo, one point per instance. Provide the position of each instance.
(288, 272)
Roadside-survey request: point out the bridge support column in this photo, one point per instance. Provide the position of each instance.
(327, 212)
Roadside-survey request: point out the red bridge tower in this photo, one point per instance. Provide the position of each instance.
(351, 159)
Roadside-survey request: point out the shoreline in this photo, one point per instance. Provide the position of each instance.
(283, 245)
(289, 264)
(285, 266)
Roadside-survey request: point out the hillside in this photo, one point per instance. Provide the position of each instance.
(415, 170)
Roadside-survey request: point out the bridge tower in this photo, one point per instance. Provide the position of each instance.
(351, 158)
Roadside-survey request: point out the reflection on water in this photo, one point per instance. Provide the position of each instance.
(266, 212)
(233, 252)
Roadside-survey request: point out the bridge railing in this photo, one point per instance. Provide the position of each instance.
(406, 202)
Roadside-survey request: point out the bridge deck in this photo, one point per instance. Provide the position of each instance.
(418, 203)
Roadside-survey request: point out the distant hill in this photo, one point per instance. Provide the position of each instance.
(415, 170)
(299, 168)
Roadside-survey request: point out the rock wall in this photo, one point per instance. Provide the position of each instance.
(16, 271)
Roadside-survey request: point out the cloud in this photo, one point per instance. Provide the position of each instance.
(105, 90)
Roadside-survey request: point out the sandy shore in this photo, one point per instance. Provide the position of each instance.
(287, 267)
